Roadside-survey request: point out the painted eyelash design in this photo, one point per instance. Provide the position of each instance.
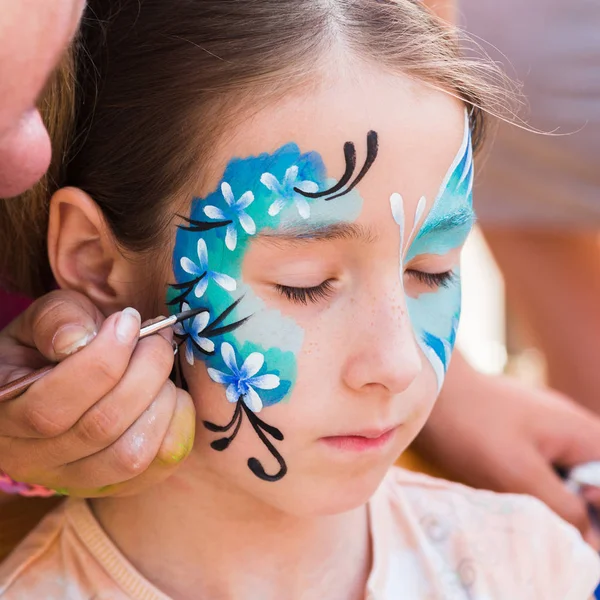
(211, 330)
(350, 159)
(202, 226)
(434, 280)
(304, 295)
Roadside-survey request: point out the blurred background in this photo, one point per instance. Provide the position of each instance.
(491, 336)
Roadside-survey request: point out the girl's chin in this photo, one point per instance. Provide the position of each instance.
(310, 497)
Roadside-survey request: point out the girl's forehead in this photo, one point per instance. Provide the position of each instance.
(419, 132)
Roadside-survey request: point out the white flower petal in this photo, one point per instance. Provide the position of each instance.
(302, 206)
(252, 365)
(200, 287)
(228, 354)
(202, 254)
(308, 186)
(212, 212)
(231, 237)
(246, 199)
(179, 329)
(189, 353)
(189, 267)
(252, 400)
(247, 223)
(290, 177)
(217, 376)
(206, 344)
(227, 193)
(265, 382)
(199, 322)
(232, 393)
(226, 282)
(271, 182)
(276, 207)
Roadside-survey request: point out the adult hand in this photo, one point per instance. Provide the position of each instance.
(106, 420)
(499, 434)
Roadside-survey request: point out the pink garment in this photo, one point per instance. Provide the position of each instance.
(432, 540)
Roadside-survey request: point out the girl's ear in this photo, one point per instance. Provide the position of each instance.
(83, 253)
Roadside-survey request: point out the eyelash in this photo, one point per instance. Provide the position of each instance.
(434, 280)
(324, 290)
(305, 295)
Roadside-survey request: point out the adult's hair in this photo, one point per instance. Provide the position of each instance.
(158, 80)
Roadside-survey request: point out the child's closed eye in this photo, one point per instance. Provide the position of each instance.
(432, 280)
(304, 295)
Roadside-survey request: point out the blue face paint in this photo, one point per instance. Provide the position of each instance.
(435, 315)
(249, 348)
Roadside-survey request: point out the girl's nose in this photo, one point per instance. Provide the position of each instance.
(385, 353)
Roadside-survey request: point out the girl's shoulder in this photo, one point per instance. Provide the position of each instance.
(450, 541)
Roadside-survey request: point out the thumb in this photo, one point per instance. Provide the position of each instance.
(551, 489)
(576, 439)
(57, 324)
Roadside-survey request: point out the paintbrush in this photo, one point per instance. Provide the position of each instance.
(13, 389)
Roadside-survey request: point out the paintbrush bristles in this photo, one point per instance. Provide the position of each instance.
(188, 314)
(169, 322)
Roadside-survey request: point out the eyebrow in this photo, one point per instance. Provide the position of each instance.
(435, 224)
(306, 232)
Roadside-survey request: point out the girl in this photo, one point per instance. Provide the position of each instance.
(300, 173)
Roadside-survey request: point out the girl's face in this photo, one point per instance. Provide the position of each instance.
(325, 254)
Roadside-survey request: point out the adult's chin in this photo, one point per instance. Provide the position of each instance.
(25, 153)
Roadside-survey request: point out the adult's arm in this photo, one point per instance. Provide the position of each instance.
(499, 434)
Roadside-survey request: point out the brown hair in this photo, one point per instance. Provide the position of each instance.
(151, 70)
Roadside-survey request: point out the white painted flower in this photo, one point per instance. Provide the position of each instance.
(202, 271)
(242, 380)
(192, 328)
(286, 193)
(235, 212)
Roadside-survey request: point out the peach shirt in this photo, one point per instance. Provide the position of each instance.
(432, 540)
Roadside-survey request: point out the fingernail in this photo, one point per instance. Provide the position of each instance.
(128, 325)
(70, 338)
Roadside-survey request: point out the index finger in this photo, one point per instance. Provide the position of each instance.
(54, 403)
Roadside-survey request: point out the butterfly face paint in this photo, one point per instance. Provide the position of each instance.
(435, 315)
(248, 347)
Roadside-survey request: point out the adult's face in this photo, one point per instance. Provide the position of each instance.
(33, 35)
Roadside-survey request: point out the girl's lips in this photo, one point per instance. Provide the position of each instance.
(362, 442)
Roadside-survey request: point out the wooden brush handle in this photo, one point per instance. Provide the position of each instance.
(14, 389)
